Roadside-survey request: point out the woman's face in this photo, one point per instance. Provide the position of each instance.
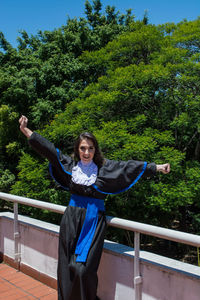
(86, 151)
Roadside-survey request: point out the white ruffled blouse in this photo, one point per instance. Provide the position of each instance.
(84, 174)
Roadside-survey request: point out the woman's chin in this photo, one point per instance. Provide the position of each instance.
(86, 160)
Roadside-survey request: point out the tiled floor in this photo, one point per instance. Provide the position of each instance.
(16, 285)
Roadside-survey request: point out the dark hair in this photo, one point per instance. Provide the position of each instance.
(98, 157)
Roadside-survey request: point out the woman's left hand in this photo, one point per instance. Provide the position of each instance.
(165, 168)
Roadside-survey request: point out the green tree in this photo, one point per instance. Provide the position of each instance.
(45, 73)
(133, 84)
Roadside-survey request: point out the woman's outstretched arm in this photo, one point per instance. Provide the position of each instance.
(41, 145)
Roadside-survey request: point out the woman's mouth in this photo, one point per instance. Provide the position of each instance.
(86, 157)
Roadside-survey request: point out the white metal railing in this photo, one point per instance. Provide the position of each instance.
(138, 228)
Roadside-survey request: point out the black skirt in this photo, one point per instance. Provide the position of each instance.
(78, 281)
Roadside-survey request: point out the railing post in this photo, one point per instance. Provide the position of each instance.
(137, 276)
(17, 253)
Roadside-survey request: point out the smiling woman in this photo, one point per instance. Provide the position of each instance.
(86, 148)
(86, 151)
(89, 178)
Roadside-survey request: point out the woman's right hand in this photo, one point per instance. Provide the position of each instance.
(23, 121)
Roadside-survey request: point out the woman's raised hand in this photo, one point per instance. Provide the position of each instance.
(165, 168)
(23, 121)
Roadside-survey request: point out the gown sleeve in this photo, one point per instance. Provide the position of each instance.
(60, 165)
(118, 176)
(113, 177)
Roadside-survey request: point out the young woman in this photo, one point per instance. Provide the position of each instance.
(89, 178)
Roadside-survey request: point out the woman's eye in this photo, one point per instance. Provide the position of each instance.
(82, 148)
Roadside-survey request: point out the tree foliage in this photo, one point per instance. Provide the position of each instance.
(134, 85)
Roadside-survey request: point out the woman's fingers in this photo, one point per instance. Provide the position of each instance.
(166, 168)
(23, 121)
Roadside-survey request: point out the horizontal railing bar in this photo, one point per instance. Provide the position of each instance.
(160, 232)
(164, 233)
(32, 202)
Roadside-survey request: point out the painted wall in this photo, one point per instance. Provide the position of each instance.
(163, 278)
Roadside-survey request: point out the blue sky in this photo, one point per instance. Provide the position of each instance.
(42, 15)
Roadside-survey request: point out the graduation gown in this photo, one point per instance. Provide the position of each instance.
(78, 280)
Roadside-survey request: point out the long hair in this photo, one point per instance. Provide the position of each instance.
(98, 157)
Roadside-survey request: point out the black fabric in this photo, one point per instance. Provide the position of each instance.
(78, 281)
(113, 176)
(48, 150)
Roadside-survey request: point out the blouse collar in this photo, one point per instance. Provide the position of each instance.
(84, 173)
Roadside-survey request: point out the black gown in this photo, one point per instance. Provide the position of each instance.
(78, 280)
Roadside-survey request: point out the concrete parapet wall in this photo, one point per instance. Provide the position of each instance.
(163, 278)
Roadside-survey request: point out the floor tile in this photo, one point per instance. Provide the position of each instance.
(15, 285)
